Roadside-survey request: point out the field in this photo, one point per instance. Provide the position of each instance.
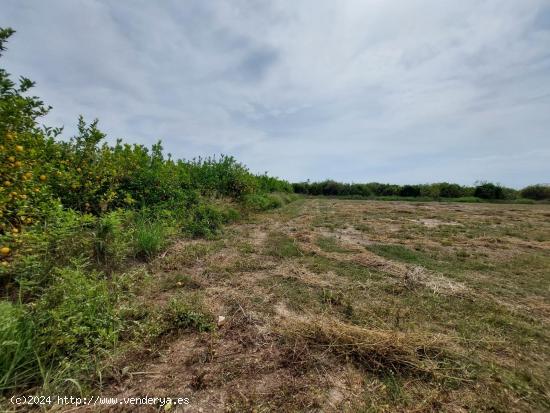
(340, 305)
(125, 272)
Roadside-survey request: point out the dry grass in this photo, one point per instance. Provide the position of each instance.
(379, 351)
(334, 305)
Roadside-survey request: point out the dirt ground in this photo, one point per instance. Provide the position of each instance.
(338, 305)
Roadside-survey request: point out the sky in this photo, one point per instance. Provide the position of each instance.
(409, 91)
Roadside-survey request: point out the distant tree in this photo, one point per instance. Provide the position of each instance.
(536, 192)
(489, 191)
(409, 190)
(447, 190)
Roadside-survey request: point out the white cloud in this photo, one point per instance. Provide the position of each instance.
(360, 90)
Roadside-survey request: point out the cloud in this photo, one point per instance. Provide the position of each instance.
(362, 90)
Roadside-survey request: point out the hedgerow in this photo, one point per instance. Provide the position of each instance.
(435, 191)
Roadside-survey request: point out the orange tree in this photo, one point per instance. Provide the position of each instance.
(24, 147)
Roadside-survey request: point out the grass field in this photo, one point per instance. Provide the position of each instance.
(340, 305)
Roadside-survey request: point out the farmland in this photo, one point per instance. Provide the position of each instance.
(125, 273)
(343, 305)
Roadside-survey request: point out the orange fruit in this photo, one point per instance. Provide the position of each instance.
(5, 251)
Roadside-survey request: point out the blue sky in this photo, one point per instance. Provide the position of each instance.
(366, 90)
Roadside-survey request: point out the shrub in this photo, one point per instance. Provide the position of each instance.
(224, 176)
(410, 191)
(205, 220)
(112, 240)
(301, 187)
(75, 317)
(536, 192)
(54, 242)
(489, 191)
(360, 190)
(262, 202)
(270, 184)
(447, 190)
(383, 189)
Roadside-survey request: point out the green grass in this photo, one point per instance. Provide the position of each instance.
(19, 364)
(353, 270)
(397, 252)
(150, 237)
(281, 245)
(184, 313)
(330, 244)
(296, 294)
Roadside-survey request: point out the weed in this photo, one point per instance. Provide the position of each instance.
(281, 245)
(330, 244)
(150, 237)
(19, 364)
(182, 314)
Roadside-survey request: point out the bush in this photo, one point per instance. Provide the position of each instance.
(489, 191)
(262, 202)
(54, 242)
(206, 220)
(536, 192)
(409, 191)
(75, 317)
(112, 240)
(447, 190)
(271, 184)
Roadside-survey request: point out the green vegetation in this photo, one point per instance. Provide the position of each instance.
(282, 246)
(538, 192)
(111, 255)
(330, 244)
(426, 192)
(18, 362)
(73, 214)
